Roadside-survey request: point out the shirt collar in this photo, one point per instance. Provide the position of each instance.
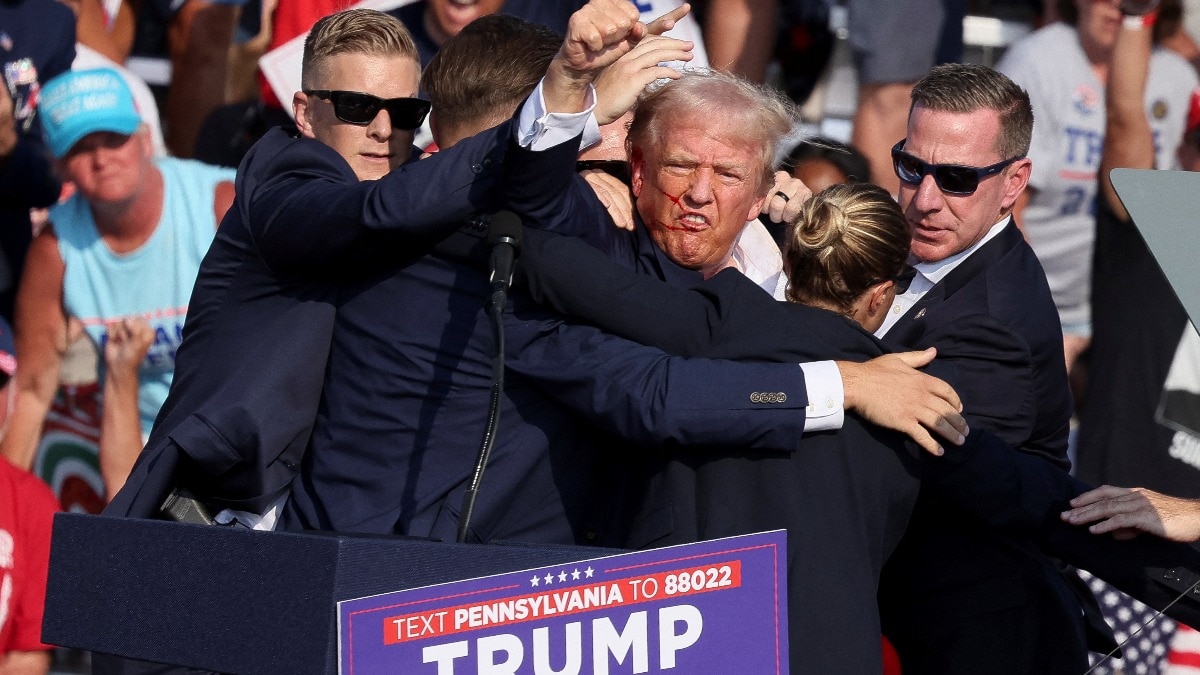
(936, 271)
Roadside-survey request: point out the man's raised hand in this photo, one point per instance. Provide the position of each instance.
(601, 32)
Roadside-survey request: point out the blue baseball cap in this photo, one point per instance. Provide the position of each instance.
(82, 102)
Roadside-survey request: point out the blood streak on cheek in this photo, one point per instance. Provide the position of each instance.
(674, 200)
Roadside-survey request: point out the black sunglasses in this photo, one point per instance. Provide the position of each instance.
(902, 280)
(953, 179)
(354, 107)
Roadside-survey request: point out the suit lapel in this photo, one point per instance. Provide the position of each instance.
(911, 325)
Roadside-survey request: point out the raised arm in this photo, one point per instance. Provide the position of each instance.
(724, 318)
(311, 208)
(1128, 140)
(575, 279)
(41, 332)
(125, 347)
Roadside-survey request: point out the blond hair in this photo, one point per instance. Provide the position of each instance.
(758, 115)
(353, 31)
(847, 238)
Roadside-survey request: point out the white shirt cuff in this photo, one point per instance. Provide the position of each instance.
(539, 130)
(826, 397)
(264, 522)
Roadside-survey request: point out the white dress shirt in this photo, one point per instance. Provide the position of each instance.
(928, 275)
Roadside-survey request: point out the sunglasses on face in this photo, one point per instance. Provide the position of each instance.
(952, 179)
(354, 107)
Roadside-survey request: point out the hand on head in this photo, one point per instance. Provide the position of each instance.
(599, 34)
(619, 85)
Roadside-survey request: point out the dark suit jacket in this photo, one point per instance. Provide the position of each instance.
(843, 497)
(256, 340)
(957, 596)
(406, 390)
(728, 316)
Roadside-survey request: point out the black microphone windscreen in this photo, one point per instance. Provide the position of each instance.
(504, 224)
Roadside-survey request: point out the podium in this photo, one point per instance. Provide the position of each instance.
(238, 601)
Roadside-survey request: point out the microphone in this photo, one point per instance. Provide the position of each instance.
(504, 236)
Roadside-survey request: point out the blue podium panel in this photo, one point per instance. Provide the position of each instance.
(237, 601)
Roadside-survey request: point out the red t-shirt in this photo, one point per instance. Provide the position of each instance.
(27, 509)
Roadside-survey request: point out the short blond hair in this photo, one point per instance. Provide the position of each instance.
(353, 31)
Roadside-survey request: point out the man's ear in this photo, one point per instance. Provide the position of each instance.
(302, 112)
(637, 166)
(1016, 182)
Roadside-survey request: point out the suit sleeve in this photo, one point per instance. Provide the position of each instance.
(543, 188)
(993, 372)
(575, 279)
(1024, 494)
(648, 397)
(311, 207)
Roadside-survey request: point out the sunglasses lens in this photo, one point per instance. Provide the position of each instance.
(908, 168)
(356, 108)
(956, 179)
(407, 113)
